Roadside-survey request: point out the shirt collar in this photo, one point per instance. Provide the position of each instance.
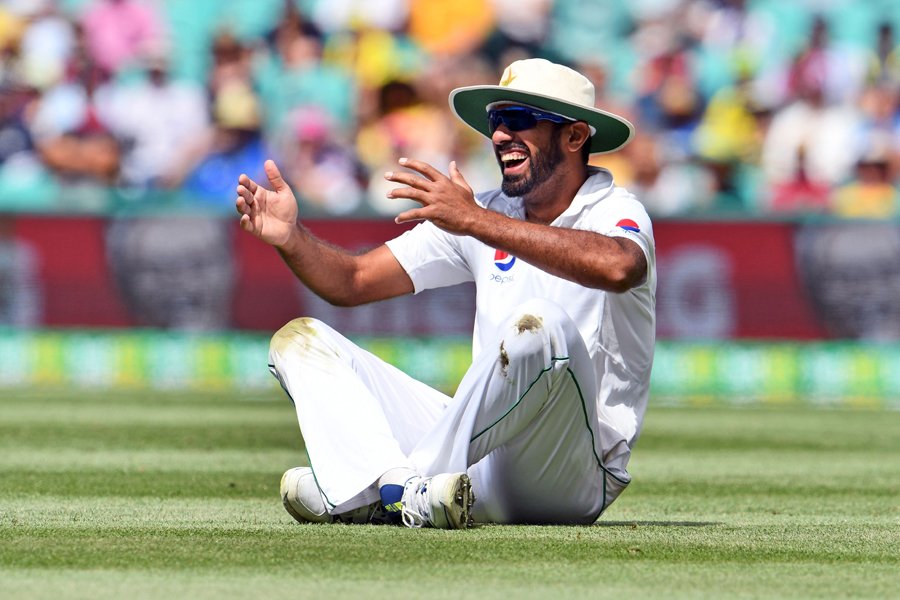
(597, 186)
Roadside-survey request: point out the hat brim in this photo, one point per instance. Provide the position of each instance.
(470, 105)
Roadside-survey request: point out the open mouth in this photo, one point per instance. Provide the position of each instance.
(513, 161)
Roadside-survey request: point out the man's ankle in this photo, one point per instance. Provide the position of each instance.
(390, 488)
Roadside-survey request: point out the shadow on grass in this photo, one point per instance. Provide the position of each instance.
(636, 524)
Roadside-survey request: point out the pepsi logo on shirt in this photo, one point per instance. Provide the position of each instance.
(503, 260)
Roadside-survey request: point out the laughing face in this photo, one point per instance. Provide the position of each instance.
(524, 161)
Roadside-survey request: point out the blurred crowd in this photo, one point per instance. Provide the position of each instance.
(746, 107)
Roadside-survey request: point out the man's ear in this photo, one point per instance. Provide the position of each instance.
(579, 135)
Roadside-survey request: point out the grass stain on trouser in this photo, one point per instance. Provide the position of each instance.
(529, 323)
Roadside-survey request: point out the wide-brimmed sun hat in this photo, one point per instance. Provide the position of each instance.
(548, 86)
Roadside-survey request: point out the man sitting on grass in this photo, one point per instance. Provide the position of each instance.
(542, 425)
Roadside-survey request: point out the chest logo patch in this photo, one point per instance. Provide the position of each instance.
(503, 260)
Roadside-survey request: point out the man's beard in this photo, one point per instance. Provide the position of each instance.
(540, 169)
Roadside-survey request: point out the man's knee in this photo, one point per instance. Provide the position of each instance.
(303, 336)
(538, 334)
(541, 319)
(537, 314)
(296, 329)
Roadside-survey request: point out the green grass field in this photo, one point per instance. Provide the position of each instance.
(176, 495)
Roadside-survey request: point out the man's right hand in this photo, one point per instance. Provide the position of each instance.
(270, 215)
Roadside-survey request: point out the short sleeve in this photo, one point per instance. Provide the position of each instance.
(624, 216)
(431, 257)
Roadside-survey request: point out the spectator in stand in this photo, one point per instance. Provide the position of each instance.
(827, 133)
(373, 57)
(365, 42)
(407, 126)
(885, 62)
(880, 127)
(597, 70)
(871, 194)
(521, 24)
(840, 67)
(234, 144)
(578, 31)
(12, 27)
(668, 63)
(333, 16)
(152, 117)
(729, 137)
(119, 32)
(15, 101)
(472, 152)
(328, 176)
(27, 68)
(18, 159)
(232, 61)
(667, 90)
(47, 44)
(71, 129)
(729, 32)
(666, 187)
(84, 149)
(294, 75)
(798, 194)
(621, 164)
(21, 168)
(450, 28)
(728, 130)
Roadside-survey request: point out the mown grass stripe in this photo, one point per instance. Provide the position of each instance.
(130, 499)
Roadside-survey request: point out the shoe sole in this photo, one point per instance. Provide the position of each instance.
(457, 502)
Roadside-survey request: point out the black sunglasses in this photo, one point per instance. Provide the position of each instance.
(520, 118)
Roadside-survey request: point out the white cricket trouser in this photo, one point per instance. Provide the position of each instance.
(523, 422)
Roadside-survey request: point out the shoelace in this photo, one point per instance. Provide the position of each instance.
(416, 509)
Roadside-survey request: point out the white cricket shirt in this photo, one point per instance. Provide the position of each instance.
(618, 329)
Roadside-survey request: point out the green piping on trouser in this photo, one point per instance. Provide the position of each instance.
(586, 422)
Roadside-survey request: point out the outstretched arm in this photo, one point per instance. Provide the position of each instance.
(591, 259)
(339, 277)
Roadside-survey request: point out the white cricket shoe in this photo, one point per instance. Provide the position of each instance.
(302, 499)
(442, 501)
